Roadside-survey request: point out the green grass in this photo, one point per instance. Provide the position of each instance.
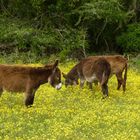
(135, 61)
(73, 113)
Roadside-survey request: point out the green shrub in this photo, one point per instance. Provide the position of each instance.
(49, 40)
(130, 40)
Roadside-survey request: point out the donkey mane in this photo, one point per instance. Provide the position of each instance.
(73, 73)
(25, 69)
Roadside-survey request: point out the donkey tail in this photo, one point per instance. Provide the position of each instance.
(106, 73)
(125, 77)
(105, 77)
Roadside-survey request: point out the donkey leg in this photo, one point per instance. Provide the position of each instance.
(1, 91)
(89, 84)
(119, 79)
(96, 82)
(124, 85)
(29, 97)
(105, 90)
(82, 81)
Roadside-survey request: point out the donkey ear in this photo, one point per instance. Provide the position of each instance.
(64, 75)
(55, 64)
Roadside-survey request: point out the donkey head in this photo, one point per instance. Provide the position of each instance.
(69, 80)
(55, 77)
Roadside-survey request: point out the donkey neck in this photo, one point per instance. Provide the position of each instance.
(73, 73)
(41, 74)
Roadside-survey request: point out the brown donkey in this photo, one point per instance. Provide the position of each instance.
(118, 65)
(28, 79)
(89, 70)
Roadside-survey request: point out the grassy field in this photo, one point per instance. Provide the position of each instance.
(73, 113)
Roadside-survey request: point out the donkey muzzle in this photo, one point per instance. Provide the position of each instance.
(58, 86)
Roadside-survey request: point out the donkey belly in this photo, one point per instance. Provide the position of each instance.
(15, 85)
(91, 79)
(14, 88)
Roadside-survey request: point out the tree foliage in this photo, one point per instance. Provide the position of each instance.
(130, 39)
(64, 27)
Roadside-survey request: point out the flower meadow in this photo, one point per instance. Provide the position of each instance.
(73, 113)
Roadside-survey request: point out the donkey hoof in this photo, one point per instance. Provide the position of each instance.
(105, 97)
(29, 106)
